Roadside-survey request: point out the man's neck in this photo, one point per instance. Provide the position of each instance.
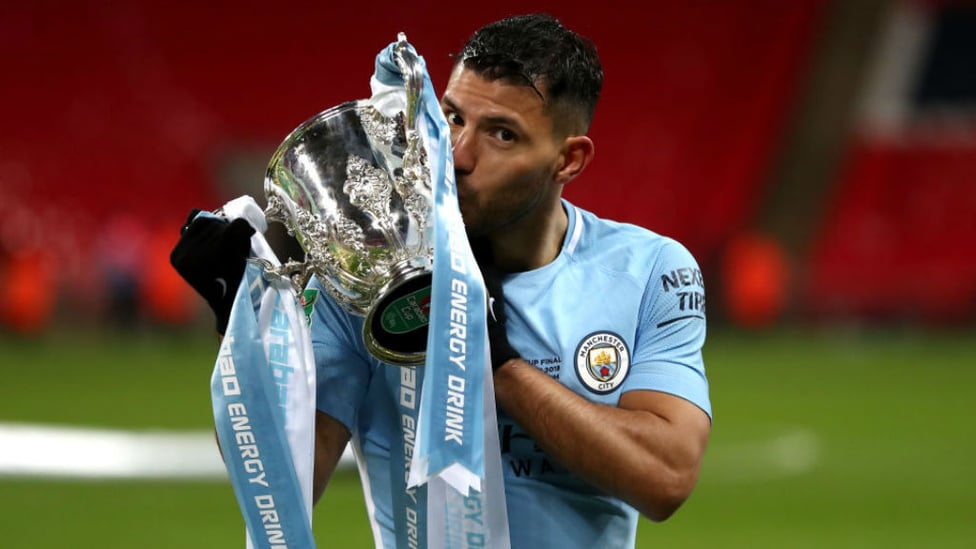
(532, 243)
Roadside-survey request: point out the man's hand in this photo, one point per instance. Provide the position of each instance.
(211, 256)
(501, 350)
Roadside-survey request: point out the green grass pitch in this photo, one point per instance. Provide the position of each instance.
(824, 439)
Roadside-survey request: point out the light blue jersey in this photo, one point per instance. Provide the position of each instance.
(620, 309)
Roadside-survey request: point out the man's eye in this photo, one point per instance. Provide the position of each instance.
(504, 134)
(454, 119)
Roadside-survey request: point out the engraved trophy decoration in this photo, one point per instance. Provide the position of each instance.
(352, 185)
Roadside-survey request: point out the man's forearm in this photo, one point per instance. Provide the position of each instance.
(648, 460)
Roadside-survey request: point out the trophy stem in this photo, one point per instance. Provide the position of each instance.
(395, 328)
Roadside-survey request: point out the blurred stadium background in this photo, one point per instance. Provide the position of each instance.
(817, 156)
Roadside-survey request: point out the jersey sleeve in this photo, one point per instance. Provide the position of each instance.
(671, 329)
(342, 369)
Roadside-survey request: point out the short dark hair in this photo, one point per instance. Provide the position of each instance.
(537, 50)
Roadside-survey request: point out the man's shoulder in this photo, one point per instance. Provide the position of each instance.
(604, 239)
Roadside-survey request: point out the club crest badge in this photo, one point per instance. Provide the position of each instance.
(602, 362)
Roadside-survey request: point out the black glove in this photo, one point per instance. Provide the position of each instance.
(501, 349)
(211, 256)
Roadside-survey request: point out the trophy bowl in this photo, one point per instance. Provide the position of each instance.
(352, 186)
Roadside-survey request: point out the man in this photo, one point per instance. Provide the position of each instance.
(603, 402)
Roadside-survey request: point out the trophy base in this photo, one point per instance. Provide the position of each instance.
(395, 329)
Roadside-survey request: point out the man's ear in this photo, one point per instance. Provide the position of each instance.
(576, 156)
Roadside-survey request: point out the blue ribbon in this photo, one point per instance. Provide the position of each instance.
(251, 426)
(449, 458)
(452, 400)
(452, 411)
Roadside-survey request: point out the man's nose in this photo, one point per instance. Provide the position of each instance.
(463, 146)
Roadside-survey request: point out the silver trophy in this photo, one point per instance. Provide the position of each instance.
(352, 186)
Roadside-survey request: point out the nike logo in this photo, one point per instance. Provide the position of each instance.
(223, 286)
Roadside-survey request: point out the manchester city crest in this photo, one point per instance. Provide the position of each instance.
(602, 362)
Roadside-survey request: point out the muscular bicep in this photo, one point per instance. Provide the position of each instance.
(331, 437)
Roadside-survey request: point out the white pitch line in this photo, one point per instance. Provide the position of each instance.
(33, 450)
(75, 452)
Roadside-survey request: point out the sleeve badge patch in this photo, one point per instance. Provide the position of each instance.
(602, 362)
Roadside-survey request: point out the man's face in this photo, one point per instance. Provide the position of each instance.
(505, 151)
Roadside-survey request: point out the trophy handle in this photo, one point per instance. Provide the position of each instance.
(413, 77)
